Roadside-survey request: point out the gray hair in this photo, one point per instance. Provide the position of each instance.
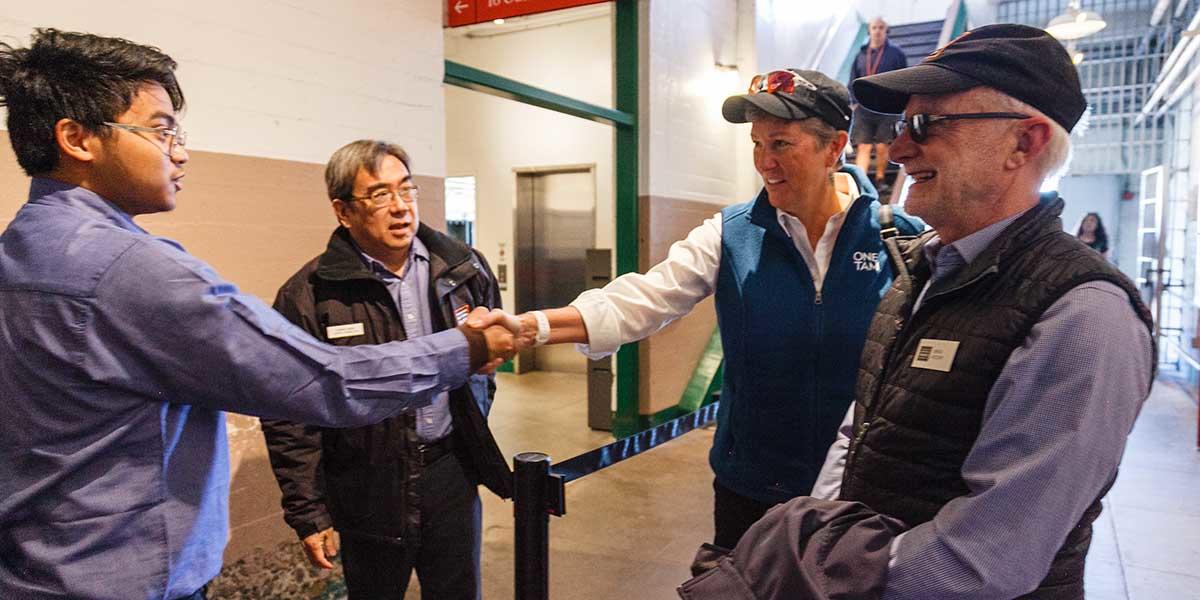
(1055, 159)
(343, 166)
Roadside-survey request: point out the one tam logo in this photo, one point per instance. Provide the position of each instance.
(866, 261)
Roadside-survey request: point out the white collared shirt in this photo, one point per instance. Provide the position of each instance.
(634, 306)
(818, 259)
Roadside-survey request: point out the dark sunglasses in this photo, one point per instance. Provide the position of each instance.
(787, 82)
(917, 125)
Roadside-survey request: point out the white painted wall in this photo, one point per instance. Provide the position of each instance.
(488, 137)
(289, 79)
(687, 149)
(899, 12)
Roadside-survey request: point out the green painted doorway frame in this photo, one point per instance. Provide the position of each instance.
(623, 118)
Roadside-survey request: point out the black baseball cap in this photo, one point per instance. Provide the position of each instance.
(829, 101)
(1024, 62)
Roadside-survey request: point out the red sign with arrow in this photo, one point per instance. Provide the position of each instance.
(469, 12)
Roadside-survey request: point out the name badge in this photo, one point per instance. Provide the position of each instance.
(936, 355)
(334, 332)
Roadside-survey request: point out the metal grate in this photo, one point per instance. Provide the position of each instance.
(1118, 71)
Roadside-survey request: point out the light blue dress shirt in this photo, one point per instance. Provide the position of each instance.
(118, 353)
(410, 293)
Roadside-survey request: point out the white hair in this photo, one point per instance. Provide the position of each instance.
(1054, 160)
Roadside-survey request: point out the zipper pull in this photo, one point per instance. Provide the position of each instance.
(862, 432)
(817, 300)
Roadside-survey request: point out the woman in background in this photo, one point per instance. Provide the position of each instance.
(1091, 232)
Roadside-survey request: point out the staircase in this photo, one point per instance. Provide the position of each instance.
(917, 40)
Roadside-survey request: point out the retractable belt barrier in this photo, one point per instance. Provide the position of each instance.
(539, 491)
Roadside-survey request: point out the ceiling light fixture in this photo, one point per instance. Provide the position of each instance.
(1075, 23)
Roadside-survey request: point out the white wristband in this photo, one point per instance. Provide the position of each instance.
(543, 330)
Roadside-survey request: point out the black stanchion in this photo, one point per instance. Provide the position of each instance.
(532, 526)
(539, 493)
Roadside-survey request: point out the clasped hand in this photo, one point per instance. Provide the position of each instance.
(503, 332)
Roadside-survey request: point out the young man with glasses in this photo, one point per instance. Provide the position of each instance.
(796, 274)
(119, 351)
(992, 407)
(402, 492)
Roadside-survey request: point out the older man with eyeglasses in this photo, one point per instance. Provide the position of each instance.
(796, 273)
(402, 492)
(992, 403)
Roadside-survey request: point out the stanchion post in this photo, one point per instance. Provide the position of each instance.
(531, 526)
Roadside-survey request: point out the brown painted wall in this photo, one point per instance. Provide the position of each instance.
(256, 221)
(670, 355)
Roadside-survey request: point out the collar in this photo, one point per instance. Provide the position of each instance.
(43, 190)
(847, 191)
(342, 260)
(884, 47)
(998, 241)
(862, 195)
(416, 251)
(971, 246)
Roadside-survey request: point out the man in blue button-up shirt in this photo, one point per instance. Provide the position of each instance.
(119, 351)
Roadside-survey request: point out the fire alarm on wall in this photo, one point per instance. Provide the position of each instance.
(1127, 195)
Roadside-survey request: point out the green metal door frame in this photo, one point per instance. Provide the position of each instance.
(625, 149)
(625, 143)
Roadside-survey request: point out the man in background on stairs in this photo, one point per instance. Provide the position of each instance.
(869, 129)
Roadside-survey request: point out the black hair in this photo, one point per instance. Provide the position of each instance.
(79, 76)
(1100, 235)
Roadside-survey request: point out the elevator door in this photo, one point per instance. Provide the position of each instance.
(556, 225)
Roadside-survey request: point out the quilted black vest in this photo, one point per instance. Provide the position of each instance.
(914, 427)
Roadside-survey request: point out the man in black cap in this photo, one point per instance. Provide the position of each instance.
(991, 408)
(796, 274)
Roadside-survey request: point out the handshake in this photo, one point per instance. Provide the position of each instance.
(506, 334)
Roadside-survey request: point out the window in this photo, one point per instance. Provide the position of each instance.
(460, 208)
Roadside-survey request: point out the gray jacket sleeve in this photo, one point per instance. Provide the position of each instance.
(804, 549)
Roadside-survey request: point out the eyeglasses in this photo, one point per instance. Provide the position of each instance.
(385, 197)
(786, 82)
(917, 125)
(171, 137)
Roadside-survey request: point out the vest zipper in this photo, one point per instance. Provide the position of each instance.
(862, 433)
(817, 298)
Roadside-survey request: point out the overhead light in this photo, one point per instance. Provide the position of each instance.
(1075, 53)
(498, 21)
(1075, 23)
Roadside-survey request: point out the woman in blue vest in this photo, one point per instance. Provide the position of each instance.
(796, 272)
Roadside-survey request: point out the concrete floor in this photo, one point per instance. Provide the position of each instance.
(1147, 540)
(631, 530)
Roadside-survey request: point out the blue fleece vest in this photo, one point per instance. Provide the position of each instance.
(791, 358)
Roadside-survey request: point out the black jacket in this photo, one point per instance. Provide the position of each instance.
(357, 479)
(914, 427)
